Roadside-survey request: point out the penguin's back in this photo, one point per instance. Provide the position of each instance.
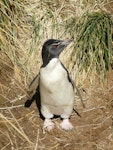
(55, 89)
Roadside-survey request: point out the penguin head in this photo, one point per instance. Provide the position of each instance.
(52, 49)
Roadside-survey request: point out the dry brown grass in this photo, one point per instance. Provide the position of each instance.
(22, 128)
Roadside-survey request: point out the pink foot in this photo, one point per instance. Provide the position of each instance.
(48, 124)
(66, 125)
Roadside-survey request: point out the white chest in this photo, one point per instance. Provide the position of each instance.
(53, 73)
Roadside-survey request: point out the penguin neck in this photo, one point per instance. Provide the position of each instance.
(52, 63)
(47, 61)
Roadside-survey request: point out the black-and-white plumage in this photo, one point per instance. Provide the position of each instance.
(54, 86)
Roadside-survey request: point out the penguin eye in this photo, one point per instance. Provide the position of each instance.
(55, 46)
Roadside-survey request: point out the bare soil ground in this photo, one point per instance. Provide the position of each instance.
(22, 128)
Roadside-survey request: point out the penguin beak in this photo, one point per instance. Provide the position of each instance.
(62, 45)
(66, 42)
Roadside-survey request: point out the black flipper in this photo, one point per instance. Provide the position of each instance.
(36, 96)
(29, 102)
(33, 91)
(79, 95)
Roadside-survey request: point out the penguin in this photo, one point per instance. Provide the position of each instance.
(54, 86)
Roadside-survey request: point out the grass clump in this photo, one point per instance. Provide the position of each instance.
(11, 49)
(93, 45)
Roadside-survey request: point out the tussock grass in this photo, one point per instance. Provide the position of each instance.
(93, 49)
(11, 14)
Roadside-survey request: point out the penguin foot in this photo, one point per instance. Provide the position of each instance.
(66, 125)
(48, 124)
